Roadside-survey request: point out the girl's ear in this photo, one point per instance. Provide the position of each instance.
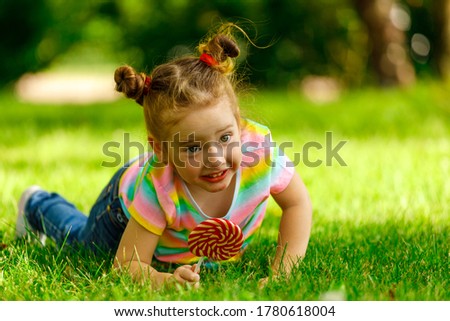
(157, 148)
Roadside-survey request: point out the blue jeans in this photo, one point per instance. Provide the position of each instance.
(51, 214)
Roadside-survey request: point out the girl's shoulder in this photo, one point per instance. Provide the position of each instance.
(147, 171)
(252, 131)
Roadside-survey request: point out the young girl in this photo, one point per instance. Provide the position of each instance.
(206, 162)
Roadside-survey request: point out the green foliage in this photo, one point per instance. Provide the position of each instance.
(22, 31)
(323, 37)
(302, 38)
(381, 223)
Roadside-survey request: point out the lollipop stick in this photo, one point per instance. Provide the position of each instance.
(199, 264)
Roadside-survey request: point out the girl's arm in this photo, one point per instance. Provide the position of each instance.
(295, 226)
(135, 253)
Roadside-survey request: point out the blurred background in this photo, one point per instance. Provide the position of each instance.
(373, 73)
(315, 46)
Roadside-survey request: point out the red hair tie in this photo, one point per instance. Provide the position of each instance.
(147, 84)
(208, 59)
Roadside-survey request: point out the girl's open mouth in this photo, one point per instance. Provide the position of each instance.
(215, 177)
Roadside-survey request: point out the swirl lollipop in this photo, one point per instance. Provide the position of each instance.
(215, 238)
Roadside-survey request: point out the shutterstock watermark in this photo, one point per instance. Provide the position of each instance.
(194, 153)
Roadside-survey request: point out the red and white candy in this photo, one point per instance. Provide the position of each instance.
(216, 238)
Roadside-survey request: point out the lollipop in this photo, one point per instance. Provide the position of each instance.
(216, 238)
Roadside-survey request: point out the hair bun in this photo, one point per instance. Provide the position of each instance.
(230, 47)
(130, 83)
(221, 47)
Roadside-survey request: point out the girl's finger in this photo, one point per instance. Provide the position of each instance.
(186, 274)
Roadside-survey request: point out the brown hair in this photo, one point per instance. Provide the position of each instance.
(184, 83)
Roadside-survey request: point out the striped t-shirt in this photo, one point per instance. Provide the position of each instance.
(158, 199)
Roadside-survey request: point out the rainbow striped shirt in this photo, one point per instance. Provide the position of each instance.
(159, 200)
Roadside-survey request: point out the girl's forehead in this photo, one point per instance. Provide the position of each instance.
(204, 122)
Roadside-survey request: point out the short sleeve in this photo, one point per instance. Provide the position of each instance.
(265, 158)
(282, 170)
(145, 208)
(140, 199)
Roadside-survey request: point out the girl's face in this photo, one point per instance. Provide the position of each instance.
(205, 147)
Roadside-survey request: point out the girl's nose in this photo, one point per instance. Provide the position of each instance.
(214, 156)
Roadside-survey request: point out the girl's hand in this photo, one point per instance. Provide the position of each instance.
(262, 283)
(185, 275)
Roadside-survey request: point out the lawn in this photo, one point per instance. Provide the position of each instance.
(381, 211)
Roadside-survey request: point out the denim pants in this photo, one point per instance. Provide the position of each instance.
(51, 214)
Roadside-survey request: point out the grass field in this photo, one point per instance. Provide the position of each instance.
(381, 223)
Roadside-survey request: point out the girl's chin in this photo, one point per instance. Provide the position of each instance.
(214, 187)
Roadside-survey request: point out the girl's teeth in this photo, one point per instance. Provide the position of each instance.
(215, 175)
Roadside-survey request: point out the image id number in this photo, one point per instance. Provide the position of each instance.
(300, 311)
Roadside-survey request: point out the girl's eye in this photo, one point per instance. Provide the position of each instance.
(193, 149)
(225, 138)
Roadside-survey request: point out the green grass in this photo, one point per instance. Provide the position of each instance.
(381, 223)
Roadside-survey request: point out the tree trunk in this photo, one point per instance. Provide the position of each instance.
(389, 55)
(442, 47)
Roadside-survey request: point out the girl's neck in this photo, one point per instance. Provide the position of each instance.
(214, 204)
